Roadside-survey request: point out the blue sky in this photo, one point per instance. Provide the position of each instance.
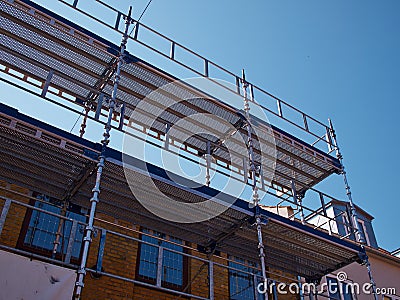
(331, 59)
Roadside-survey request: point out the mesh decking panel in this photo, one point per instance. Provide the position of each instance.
(287, 248)
(137, 81)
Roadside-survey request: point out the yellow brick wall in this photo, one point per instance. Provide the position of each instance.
(286, 278)
(119, 259)
(144, 293)
(16, 213)
(199, 283)
(221, 278)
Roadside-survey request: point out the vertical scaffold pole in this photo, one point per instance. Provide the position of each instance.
(298, 199)
(208, 163)
(253, 171)
(96, 190)
(60, 231)
(85, 117)
(353, 211)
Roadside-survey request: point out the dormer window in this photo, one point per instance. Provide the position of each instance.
(363, 231)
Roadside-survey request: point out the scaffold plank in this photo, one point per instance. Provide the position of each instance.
(42, 43)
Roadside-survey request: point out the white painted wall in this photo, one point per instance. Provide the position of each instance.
(21, 278)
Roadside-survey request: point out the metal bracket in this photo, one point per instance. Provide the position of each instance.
(316, 280)
(362, 257)
(264, 220)
(209, 248)
(47, 83)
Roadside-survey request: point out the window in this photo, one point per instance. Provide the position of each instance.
(361, 224)
(339, 290)
(333, 288)
(241, 280)
(39, 232)
(346, 224)
(347, 291)
(173, 274)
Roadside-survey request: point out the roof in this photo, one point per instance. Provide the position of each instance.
(383, 254)
(396, 252)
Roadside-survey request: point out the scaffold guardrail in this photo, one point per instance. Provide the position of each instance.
(262, 98)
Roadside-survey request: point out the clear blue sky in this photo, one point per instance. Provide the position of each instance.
(337, 59)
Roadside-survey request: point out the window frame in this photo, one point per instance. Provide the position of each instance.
(338, 284)
(361, 223)
(340, 289)
(40, 250)
(250, 265)
(353, 296)
(166, 237)
(346, 220)
(346, 224)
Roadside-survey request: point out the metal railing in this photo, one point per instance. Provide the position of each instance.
(39, 237)
(259, 96)
(280, 195)
(236, 172)
(106, 246)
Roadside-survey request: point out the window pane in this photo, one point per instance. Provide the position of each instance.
(172, 268)
(241, 284)
(148, 261)
(80, 230)
(347, 291)
(333, 288)
(362, 231)
(42, 227)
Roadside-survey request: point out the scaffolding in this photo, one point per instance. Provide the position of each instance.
(291, 246)
(296, 160)
(214, 267)
(73, 68)
(96, 190)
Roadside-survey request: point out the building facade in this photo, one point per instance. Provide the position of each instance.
(82, 220)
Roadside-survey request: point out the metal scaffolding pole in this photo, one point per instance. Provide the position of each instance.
(299, 200)
(96, 190)
(85, 117)
(208, 163)
(353, 211)
(60, 231)
(253, 170)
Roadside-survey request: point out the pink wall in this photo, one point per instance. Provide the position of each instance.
(386, 274)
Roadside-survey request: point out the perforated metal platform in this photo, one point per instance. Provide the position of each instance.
(48, 160)
(49, 52)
